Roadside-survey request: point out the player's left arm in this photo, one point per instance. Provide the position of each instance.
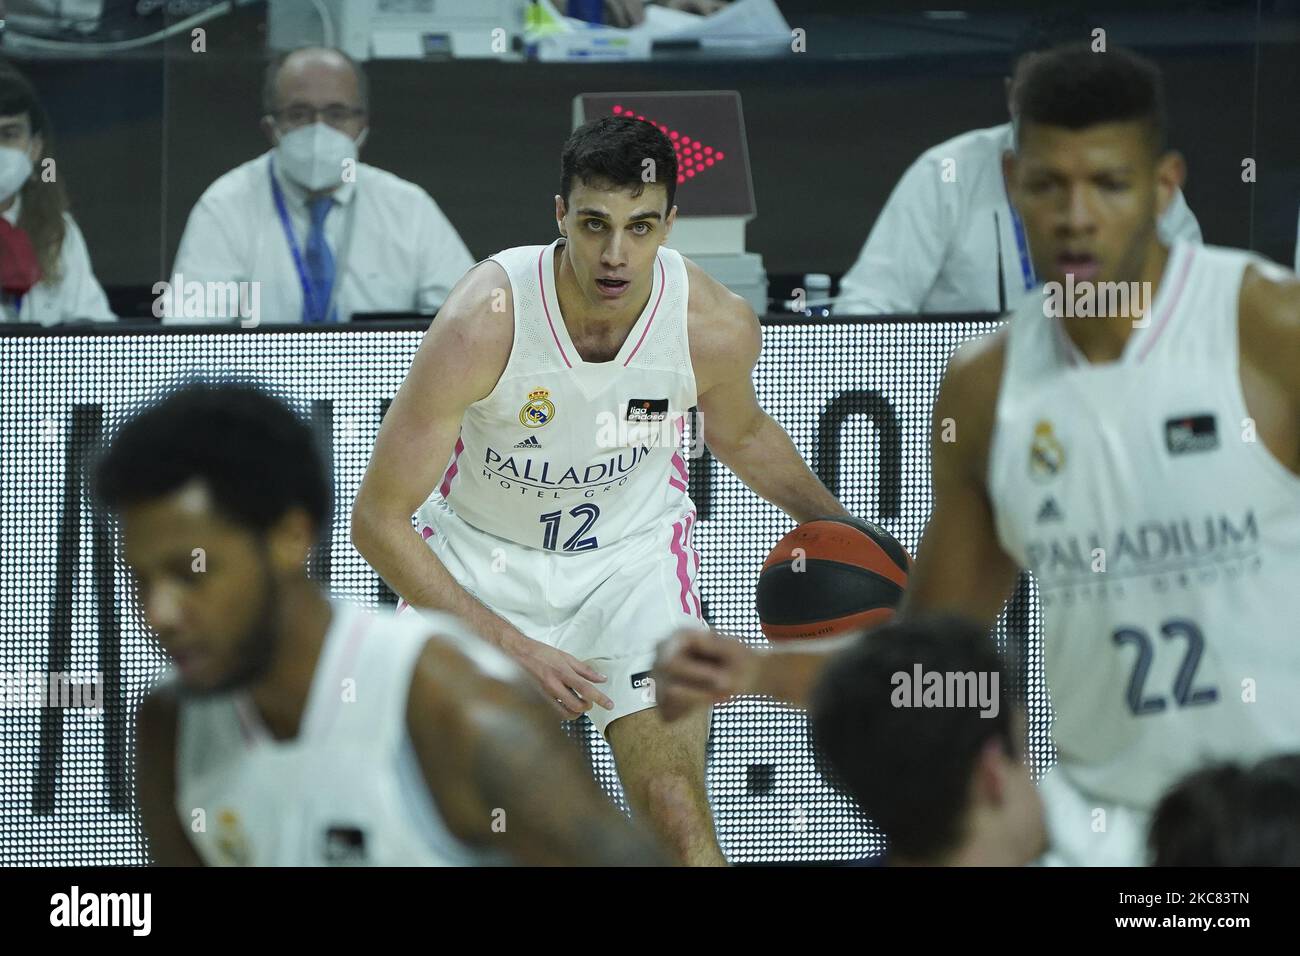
(725, 340)
(503, 774)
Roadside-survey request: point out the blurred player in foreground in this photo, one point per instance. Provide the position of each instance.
(1132, 438)
(1230, 815)
(299, 730)
(946, 784)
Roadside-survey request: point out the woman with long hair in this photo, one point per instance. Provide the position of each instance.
(45, 273)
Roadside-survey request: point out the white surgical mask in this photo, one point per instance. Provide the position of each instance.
(314, 156)
(15, 170)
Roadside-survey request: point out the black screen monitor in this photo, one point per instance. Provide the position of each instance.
(708, 130)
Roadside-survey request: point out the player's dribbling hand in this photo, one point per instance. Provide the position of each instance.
(567, 682)
(696, 668)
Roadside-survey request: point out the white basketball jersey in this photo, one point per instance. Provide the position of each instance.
(567, 455)
(1164, 537)
(348, 790)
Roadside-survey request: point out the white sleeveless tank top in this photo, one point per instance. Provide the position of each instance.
(1164, 537)
(349, 789)
(567, 455)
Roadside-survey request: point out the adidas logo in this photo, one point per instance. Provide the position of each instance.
(529, 442)
(1050, 511)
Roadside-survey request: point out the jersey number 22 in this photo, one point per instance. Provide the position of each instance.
(1185, 695)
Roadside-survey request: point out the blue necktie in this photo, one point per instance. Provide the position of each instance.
(320, 264)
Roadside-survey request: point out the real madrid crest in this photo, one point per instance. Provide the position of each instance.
(538, 410)
(1046, 454)
(232, 842)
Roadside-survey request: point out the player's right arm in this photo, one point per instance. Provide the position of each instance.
(155, 754)
(960, 568)
(502, 774)
(463, 355)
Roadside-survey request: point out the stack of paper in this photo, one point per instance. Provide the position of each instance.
(746, 25)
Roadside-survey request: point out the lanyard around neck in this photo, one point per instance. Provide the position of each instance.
(309, 300)
(1022, 243)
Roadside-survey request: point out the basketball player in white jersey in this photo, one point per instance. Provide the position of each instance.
(1145, 467)
(538, 435)
(297, 730)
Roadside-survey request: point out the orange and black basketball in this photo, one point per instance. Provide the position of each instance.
(831, 576)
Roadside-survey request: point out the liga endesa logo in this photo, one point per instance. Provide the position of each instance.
(1096, 300)
(651, 424)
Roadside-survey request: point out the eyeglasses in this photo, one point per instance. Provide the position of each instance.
(336, 116)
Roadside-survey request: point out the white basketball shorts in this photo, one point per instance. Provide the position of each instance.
(610, 607)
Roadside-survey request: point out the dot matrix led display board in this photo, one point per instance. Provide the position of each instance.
(854, 395)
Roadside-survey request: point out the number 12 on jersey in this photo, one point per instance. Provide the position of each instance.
(575, 542)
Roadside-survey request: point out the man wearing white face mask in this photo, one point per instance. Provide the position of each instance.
(45, 273)
(948, 239)
(319, 234)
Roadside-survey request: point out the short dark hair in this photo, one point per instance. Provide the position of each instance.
(277, 63)
(1073, 87)
(1228, 815)
(252, 453)
(612, 150)
(908, 768)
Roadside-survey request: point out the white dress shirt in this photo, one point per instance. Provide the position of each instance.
(935, 246)
(76, 295)
(402, 253)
